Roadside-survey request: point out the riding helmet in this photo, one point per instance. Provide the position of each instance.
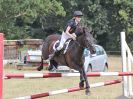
(77, 13)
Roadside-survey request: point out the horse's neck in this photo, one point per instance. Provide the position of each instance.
(81, 45)
(79, 49)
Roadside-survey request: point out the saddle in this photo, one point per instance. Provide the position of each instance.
(65, 47)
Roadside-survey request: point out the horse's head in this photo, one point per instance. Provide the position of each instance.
(85, 38)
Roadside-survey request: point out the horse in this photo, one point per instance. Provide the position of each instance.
(73, 57)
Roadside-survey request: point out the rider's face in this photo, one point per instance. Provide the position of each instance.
(78, 18)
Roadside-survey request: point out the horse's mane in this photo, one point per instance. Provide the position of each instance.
(88, 31)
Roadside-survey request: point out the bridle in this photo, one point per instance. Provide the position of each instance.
(83, 41)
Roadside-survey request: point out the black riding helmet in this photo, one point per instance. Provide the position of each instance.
(77, 13)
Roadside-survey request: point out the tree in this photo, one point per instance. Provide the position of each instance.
(95, 16)
(18, 15)
(107, 19)
(119, 17)
(39, 18)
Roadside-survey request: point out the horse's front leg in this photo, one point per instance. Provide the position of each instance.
(87, 83)
(83, 78)
(81, 84)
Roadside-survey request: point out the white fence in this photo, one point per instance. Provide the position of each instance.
(127, 59)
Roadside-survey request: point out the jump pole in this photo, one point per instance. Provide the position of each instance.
(1, 65)
(73, 89)
(52, 75)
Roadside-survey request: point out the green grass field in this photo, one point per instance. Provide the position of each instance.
(22, 87)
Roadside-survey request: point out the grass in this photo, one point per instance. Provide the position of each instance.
(22, 87)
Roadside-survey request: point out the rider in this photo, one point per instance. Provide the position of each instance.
(69, 31)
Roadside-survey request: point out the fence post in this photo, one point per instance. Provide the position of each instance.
(1, 65)
(124, 68)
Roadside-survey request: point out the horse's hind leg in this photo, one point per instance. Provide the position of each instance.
(53, 65)
(41, 65)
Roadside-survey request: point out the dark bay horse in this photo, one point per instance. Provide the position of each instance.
(73, 58)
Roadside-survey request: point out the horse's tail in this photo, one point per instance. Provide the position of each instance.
(41, 65)
(45, 50)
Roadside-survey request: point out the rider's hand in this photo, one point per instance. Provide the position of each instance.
(74, 35)
(74, 38)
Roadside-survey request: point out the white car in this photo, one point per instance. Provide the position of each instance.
(93, 62)
(33, 58)
(96, 62)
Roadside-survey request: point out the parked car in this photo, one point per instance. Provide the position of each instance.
(31, 58)
(93, 62)
(96, 62)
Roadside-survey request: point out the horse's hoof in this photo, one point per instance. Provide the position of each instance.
(52, 70)
(88, 93)
(39, 68)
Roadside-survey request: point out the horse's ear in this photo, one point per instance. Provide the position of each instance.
(90, 29)
(84, 29)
